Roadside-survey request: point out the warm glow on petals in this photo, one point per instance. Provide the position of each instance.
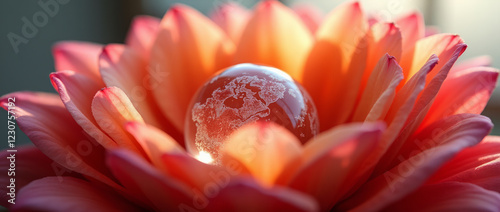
(412, 28)
(196, 174)
(79, 57)
(256, 145)
(188, 50)
(268, 39)
(153, 141)
(112, 109)
(380, 90)
(385, 38)
(232, 19)
(335, 66)
(142, 34)
(442, 45)
(339, 158)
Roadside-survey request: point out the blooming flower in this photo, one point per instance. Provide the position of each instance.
(392, 123)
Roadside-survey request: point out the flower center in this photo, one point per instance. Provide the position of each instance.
(243, 94)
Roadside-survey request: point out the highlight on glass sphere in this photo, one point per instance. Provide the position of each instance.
(243, 94)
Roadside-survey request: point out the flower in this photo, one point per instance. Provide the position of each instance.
(393, 125)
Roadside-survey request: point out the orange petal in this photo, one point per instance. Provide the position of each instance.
(385, 39)
(380, 90)
(51, 128)
(478, 165)
(412, 28)
(442, 45)
(476, 85)
(112, 109)
(333, 162)
(77, 91)
(153, 141)
(335, 65)
(80, 57)
(247, 195)
(275, 37)
(310, 15)
(256, 145)
(69, 194)
(413, 171)
(124, 68)
(232, 19)
(147, 183)
(188, 50)
(197, 174)
(142, 34)
(449, 196)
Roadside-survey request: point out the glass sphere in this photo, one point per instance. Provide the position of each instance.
(243, 94)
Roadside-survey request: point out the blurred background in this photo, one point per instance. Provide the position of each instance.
(28, 67)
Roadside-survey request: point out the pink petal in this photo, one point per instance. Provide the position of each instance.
(476, 86)
(412, 172)
(256, 145)
(385, 39)
(153, 141)
(147, 183)
(334, 162)
(124, 68)
(442, 45)
(142, 34)
(310, 15)
(412, 28)
(478, 165)
(31, 164)
(471, 63)
(80, 57)
(68, 194)
(380, 90)
(268, 36)
(77, 91)
(403, 104)
(112, 109)
(247, 195)
(231, 18)
(450, 196)
(185, 35)
(421, 107)
(431, 30)
(51, 128)
(336, 63)
(436, 133)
